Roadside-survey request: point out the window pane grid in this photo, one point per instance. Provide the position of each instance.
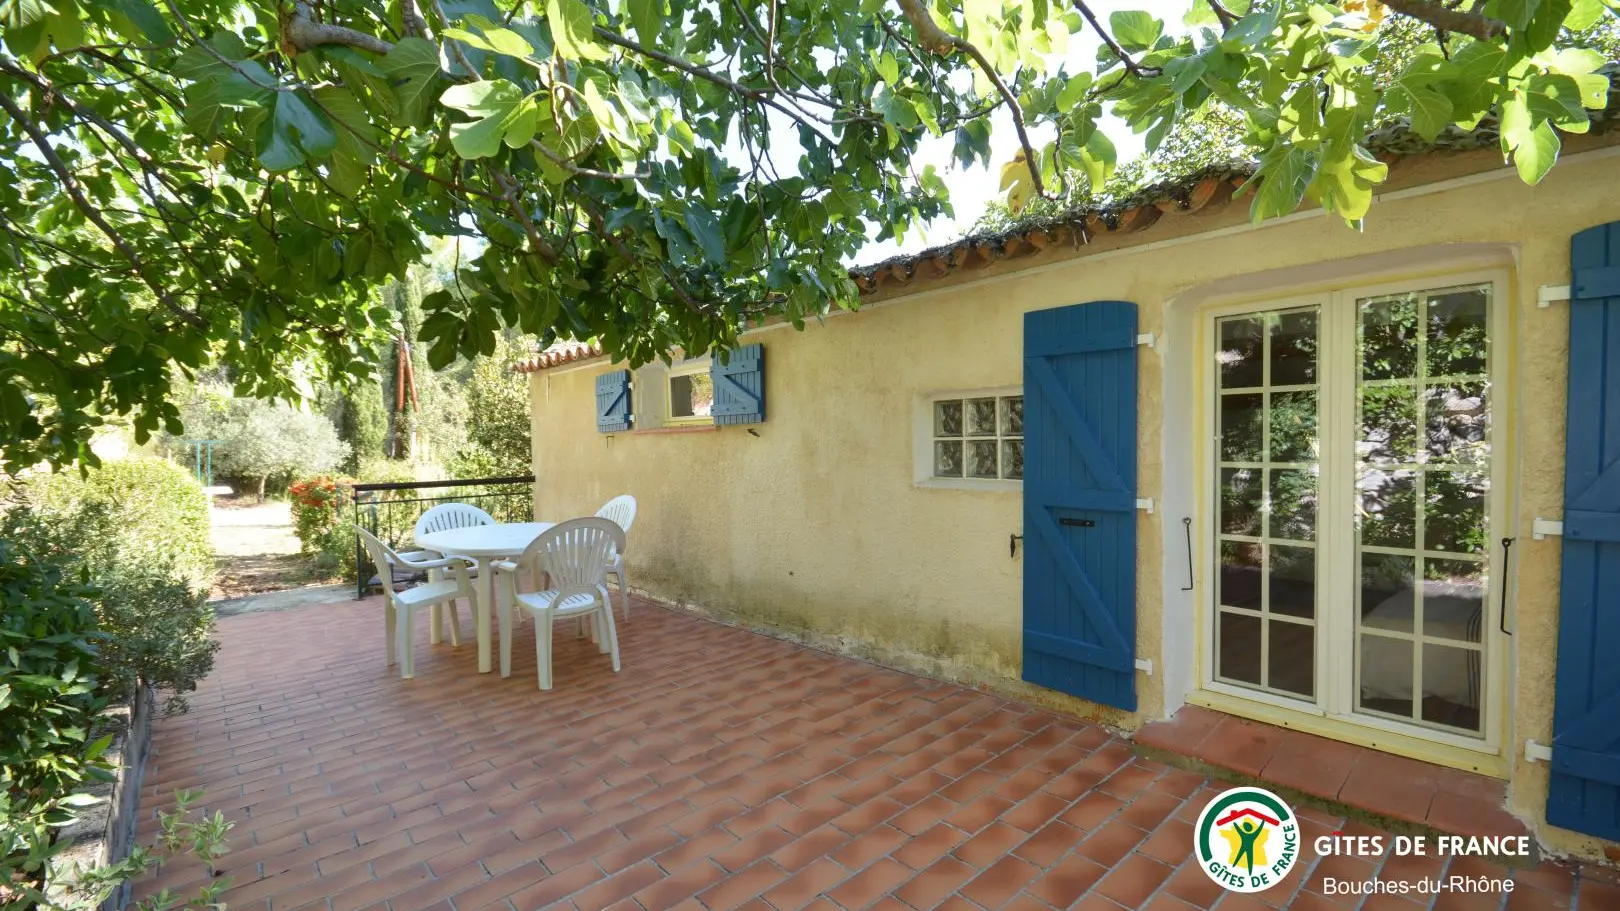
(980, 437)
(1267, 407)
(1422, 448)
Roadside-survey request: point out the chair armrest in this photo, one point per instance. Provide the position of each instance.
(504, 566)
(451, 562)
(417, 556)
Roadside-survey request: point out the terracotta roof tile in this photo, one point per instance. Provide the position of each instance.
(559, 354)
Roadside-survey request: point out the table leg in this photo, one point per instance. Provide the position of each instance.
(505, 617)
(486, 603)
(434, 633)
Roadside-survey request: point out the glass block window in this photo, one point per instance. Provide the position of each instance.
(979, 437)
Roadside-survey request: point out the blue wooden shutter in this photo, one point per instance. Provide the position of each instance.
(739, 386)
(1080, 501)
(1584, 791)
(613, 401)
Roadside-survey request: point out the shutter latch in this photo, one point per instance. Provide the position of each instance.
(1546, 294)
(1541, 528)
(1144, 503)
(1146, 339)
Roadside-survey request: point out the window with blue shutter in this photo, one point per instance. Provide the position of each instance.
(739, 385)
(1583, 793)
(613, 402)
(1080, 501)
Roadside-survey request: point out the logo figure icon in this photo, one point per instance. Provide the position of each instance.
(1246, 839)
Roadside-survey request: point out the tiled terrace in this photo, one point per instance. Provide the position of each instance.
(721, 769)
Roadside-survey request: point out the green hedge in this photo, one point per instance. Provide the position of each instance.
(139, 529)
(49, 699)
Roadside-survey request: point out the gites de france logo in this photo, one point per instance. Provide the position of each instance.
(1247, 839)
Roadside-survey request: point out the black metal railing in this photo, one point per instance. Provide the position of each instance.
(390, 511)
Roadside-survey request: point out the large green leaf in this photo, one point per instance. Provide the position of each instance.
(494, 102)
(1284, 173)
(1533, 145)
(571, 34)
(1134, 29)
(413, 71)
(705, 229)
(294, 132)
(356, 139)
(647, 17)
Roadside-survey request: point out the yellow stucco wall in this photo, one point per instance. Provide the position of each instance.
(814, 525)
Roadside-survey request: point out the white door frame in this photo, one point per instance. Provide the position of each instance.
(1336, 614)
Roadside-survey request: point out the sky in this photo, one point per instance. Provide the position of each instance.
(972, 190)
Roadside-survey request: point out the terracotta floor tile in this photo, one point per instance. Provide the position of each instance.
(869, 847)
(1054, 840)
(1182, 732)
(723, 770)
(1193, 886)
(932, 885)
(1244, 747)
(1001, 881)
(929, 846)
(1315, 765)
(1471, 815)
(1065, 883)
(1391, 786)
(990, 845)
(680, 885)
(1111, 843)
(865, 888)
(1132, 881)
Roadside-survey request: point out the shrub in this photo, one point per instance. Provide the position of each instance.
(48, 701)
(139, 529)
(319, 521)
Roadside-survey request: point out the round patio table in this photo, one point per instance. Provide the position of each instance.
(485, 544)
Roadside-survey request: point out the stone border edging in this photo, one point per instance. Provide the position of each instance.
(105, 833)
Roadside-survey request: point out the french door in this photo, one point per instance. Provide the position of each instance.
(1351, 466)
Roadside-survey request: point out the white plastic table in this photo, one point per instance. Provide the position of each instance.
(486, 544)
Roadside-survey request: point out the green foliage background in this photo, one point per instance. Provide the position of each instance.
(138, 530)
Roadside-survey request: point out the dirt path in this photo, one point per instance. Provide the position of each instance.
(255, 549)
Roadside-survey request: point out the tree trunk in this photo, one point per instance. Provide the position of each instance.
(262, 479)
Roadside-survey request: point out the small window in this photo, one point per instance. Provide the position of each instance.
(690, 398)
(979, 438)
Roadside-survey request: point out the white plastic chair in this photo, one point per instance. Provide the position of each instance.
(444, 517)
(575, 556)
(402, 605)
(622, 510)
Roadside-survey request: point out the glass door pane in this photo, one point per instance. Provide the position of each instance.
(1267, 472)
(1422, 460)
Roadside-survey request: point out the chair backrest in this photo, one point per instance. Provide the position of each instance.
(383, 557)
(576, 553)
(446, 516)
(621, 509)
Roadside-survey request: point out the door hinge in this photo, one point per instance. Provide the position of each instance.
(1546, 294)
(1145, 338)
(1145, 665)
(1537, 752)
(1144, 503)
(1541, 528)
